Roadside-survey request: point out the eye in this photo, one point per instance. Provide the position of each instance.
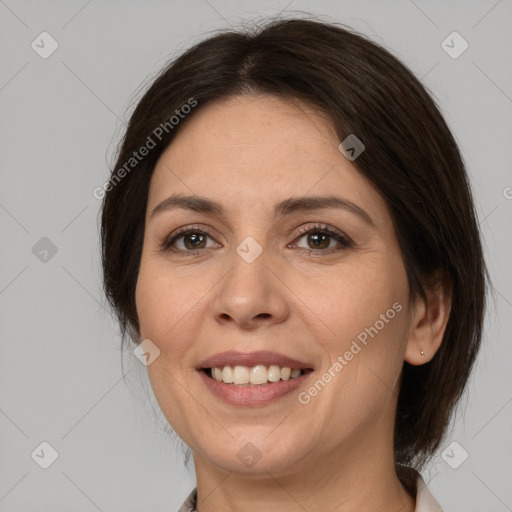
(186, 241)
(319, 239)
(323, 239)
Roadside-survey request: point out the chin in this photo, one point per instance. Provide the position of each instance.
(257, 457)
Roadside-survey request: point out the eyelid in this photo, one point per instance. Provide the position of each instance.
(165, 244)
(320, 226)
(343, 240)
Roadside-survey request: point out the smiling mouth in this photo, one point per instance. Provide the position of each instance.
(254, 376)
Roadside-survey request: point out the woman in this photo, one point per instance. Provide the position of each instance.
(290, 233)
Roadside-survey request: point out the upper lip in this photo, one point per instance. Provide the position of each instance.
(264, 357)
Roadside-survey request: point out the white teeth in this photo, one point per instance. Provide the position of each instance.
(295, 373)
(228, 375)
(259, 375)
(241, 375)
(254, 375)
(274, 373)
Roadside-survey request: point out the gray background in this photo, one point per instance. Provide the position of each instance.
(61, 117)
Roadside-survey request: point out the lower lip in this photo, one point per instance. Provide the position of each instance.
(248, 396)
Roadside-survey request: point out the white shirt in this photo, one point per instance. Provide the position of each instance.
(425, 502)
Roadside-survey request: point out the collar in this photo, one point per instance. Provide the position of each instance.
(425, 502)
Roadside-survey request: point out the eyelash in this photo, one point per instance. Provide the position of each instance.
(166, 245)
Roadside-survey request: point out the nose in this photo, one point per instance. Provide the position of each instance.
(251, 295)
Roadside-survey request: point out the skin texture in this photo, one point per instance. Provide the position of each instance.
(335, 452)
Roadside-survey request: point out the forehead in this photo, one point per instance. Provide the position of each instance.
(254, 150)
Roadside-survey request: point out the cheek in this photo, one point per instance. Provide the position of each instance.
(166, 308)
(165, 301)
(365, 311)
(378, 303)
(352, 298)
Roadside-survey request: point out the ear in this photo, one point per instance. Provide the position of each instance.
(428, 323)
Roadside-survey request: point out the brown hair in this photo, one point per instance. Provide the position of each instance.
(411, 158)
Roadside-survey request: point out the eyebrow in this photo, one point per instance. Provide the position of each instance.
(287, 207)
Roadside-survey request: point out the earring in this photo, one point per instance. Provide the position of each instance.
(422, 353)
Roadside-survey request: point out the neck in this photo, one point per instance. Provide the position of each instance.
(355, 476)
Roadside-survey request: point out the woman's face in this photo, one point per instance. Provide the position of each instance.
(258, 279)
